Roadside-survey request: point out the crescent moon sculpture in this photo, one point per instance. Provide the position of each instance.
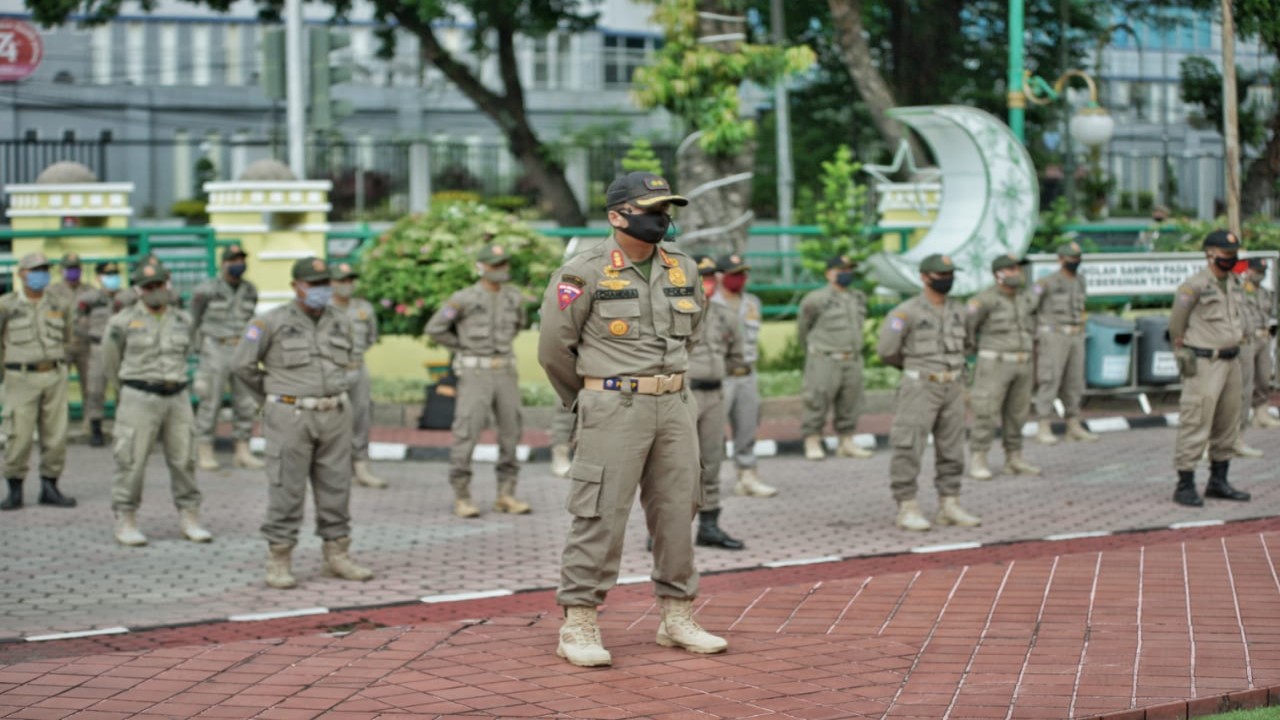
(990, 199)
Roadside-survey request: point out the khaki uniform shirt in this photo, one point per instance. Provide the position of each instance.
(364, 326)
(996, 321)
(601, 318)
(69, 296)
(94, 307)
(831, 320)
(141, 345)
(717, 347)
(750, 312)
(1208, 314)
(221, 310)
(287, 352)
(1257, 307)
(916, 335)
(475, 321)
(1059, 299)
(34, 330)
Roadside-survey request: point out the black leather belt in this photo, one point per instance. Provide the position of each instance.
(165, 388)
(705, 384)
(1218, 354)
(96, 340)
(42, 366)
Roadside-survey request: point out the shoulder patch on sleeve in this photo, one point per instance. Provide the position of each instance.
(449, 311)
(255, 330)
(974, 305)
(897, 321)
(1038, 288)
(574, 280)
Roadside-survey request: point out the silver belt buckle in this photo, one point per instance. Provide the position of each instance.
(664, 382)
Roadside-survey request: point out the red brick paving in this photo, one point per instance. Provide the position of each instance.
(1162, 624)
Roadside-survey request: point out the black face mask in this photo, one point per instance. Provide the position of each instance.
(648, 227)
(1225, 264)
(844, 278)
(941, 285)
(1071, 266)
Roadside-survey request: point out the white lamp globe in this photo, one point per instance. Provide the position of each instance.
(1092, 127)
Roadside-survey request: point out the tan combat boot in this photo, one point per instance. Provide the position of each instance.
(749, 485)
(850, 449)
(189, 521)
(1076, 431)
(950, 513)
(978, 469)
(679, 629)
(580, 642)
(365, 476)
(560, 462)
(127, 532)
(510, 505)
(464, 508)
(1015, 465)
(204, 457)
(1262, 418)
(813, 448)
(338, 564)
(280, 566)
(244, 457)
(1245, 451)
(1044, 433)
(910, 517)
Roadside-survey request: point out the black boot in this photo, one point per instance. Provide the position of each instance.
(95, 434)
(1186, 493)
(1218, 486)
(710, 534)
(14, 501)
(49, 494)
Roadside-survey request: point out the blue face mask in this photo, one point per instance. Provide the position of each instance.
(37, 280)
(235, 270)
(111, 282)
(317, 297)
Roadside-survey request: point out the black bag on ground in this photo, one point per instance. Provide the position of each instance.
(438, 408)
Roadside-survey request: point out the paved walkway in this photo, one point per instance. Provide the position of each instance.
(1169, 624)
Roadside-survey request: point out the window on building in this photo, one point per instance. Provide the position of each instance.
(168, 60)
(101, 49)
(201, 54)
(551, 61)
(232, 52)
(623, 56)
(135, 49)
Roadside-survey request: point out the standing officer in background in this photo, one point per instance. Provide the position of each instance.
(926, 337)
(478, 324)
(146, 348)
(617, 323)
(221, 307)
(68, 293)
(1206, 328)
(364, 323)
(741, 387)
(1001, 324)
(35, 329)
(1256, 359)
(829, 328)
(295, 358)
(1060, 355)
(94, 307)
(717, 348)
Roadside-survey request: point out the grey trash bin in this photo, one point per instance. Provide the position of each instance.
(1108, 351)
(1156, 363)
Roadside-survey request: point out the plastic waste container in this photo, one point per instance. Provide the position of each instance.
(1108, 351)
(1156, 362)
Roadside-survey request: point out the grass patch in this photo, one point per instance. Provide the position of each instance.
(1271, 713)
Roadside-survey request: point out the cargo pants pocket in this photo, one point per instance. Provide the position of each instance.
(122, 446)
(584, 496)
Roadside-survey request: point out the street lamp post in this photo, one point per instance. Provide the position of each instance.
(1092, 126)
(1016, 98)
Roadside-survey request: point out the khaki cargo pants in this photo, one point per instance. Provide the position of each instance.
(307, 447)
(481, 390)
(35, 400)
(628, 442)
(1208, 413)
(742, 405)
(1001, 394)
(831, 384)
(711, 445)
(1059, 373)
(360, 390)
(213, 376)
(1255, 376)
(925, 407)
(96, 394)
(141, 419)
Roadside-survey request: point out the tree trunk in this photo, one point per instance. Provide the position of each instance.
(1260, 180)
(855, 52)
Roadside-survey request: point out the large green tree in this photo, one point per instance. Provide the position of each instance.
(493, 25)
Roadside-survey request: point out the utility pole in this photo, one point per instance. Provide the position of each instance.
(295, 111)
(1230, 105)
(786, 173)
(1016, 99)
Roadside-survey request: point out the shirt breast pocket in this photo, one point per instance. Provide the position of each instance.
(340, 349)
(923, 339)
(620, 318)
(1212, 306)
(21, 330)
(55, 326)
(295, 352)
(683, 312)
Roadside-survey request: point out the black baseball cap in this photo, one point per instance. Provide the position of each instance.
(642, 189)
(1224, 239)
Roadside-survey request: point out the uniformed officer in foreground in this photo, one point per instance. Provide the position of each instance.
(1255, 357)
(221, 307)
(35, 328)
(617, 322)
(364, 324)
(146, 348)
(1206, 327)
(742, 386)
(478, 324)
(94, 307)
(295, 358)
(1061, 346)
(829, 328)
(926, 337)
(717, 348)
(1001, 322)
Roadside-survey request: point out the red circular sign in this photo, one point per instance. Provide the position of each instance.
(21, 50)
